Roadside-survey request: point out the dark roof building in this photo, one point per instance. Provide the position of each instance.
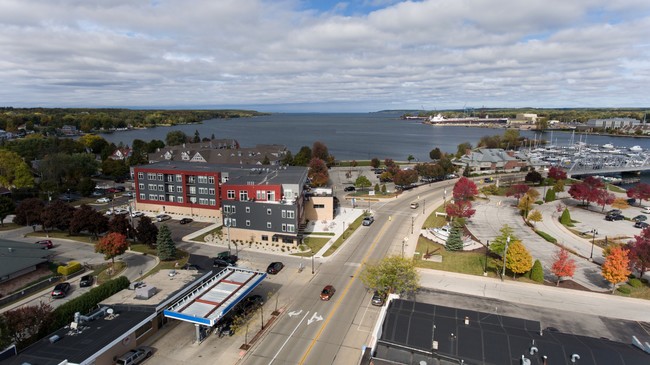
(19, 258)
(418, 333)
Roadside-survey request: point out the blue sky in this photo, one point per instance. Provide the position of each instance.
(325, 56)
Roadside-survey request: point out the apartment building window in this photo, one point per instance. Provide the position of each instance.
(203, 191)
(265, 237)
(192, 200)
(180, 199)
(170, 178)
(179, 189)
(140, 175)
(288, 194)
(291, 228)
(161, 187)
(268, 211)
(261, 194)
(319, 206)
(170, 188)
(203, 201)
(231, 194)
(203, 179)
(284, 227)
(213, 202)
(192, 189)
(226, 208)
(153, 187)
(243, 195)
(161, 198)
(268, 225)
(291, 214)
(191, 179)
(153, 197)
(284, 214)
(171, 198)
(233, 222)
(211, 191)
(210, 179)
(270, 196)
(248, 209)
(141, 186)
(151, 176)
(143, 196)
(179, 178)
(248, 223)
(160, 177)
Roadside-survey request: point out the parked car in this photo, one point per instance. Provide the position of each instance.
(135, 356)
(225, 327)
(349, 188)
(120, 211)
(129, 194)
(98, 193)
(231, 259)
(186, 220)
(378, 298)
(641, 225)
(223, 255)
(646, 210)
(640, 218)
(86, 280)
(368, 220)
(163, 217)
(104, 200)
(488, 180)
(137, 214)
(112, 190)
(327, 293)
(45, 244)
(631, 201)
(274, 267)
(220, 263)
(415, 205)
(60, 290)
(614, 211)
(614, 217)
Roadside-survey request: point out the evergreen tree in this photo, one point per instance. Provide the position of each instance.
(565, 219)
(550, 195)
(165, 244)
(455, 240)
(537, 272)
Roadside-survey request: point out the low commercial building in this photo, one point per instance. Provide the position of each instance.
(18, 259)
(491, 160)
(614, 123)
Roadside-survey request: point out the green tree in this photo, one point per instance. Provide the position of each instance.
(565, 219)
(175, 138)
(287, 160)
(14, 172)
(375, 163)
(303, 156)
(550, 195)
(7, 207)
(197, 136)
(463, 148)
(455, 240)
(498, 245)
(266, 160)
(115, 168)
(534, 177)
(383, 188)
(393, 274)
(165, 244)
(435, 154)
(112, 245)
(518, 259)
(86, 186)
(410, 158)
(511, 138)
(362, 182)
(377, 189)
(537, 272)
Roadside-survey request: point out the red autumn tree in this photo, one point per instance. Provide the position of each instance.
(27, 324)
(460, 209)
(111, 245)
(517, 190)
(603, 197)
(616, 267)
(319, 149)
(556, 173)
(464, 189)
(588, 190)
(640, 251)
(318, 172)
(563, 265)
(640, 191)
(579, 191)
(405, 177)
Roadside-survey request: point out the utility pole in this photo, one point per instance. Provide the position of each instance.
(487, 250)
(505, 253)
(412, 223)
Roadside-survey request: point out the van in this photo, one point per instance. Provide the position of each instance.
(415, 205)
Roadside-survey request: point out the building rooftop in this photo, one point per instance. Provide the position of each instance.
(15, 256)
(410, 329)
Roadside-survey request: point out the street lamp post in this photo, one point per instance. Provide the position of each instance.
(487, 250)
(505, 253)
(312, 260)
(593, 242)
(412, 223)
(424, 205)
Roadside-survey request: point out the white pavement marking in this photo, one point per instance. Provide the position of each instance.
(315, 317)
(295, 313)
(288, 338)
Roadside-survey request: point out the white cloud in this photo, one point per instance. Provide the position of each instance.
(442, 53)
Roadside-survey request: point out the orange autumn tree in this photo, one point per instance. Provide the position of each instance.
(518, 259)
(113, 244)
(563, 265)
(616, 267)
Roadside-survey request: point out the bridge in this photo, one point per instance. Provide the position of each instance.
(607, 164)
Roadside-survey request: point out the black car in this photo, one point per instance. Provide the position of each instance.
(614, 211)
(220, 263)
(614, 217)
(274, 267)
(641, 224)
(349, 188)
(86, 280)
(222, 255)
(61, 290)
(225, 327)
(186, 220)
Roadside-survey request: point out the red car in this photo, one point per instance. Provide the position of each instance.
(46, 244)
(327, 293)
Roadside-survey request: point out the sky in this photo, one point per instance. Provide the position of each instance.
(324, 55)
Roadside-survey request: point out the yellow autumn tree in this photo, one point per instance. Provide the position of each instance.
(535, 216)
(616, 267)
(525, 203)
(518, 259)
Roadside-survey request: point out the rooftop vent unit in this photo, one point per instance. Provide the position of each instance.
(145, 292)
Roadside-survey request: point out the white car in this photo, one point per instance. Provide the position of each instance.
(646, 210)
(137, 214)
(103, 200)
(121, 211)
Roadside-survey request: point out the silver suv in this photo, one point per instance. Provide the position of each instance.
(135, 356)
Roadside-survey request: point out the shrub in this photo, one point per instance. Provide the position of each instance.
(565, 219)
(546, 236)
(635, 283)
(537, 273)
(550, 195)
(539, 202)
(71, 268)
(624, 289)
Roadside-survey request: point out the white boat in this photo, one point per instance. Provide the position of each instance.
(636, 149)
(608, 145)
(441, 232)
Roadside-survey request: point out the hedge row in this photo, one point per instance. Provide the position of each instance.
(546, 236)
(71, 268)
(83, 304)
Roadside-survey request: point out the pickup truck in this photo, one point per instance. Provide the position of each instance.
(135, 356)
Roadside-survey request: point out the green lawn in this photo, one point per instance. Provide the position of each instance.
(110, 272)
(461, 262)
(315, 243)
(339, 241)
(642, 292)
(201, 238)
(434, 221)
(8, 226)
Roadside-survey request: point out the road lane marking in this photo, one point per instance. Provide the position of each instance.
(314, 318)
(295, 313)
(345, 291)
(288, 338)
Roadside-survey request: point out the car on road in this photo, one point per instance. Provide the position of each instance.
(327, 293)
(368, 220)
(488, 180)
(86, 280)
(45, 244)
(614, 217)
(67, 198)
(641, 225)
(104, 200)
(640, 218)
(186, 220)
(163, 217)
(415, 205)
(349, 188)
(274, 267)
(631, 201)
(137, 214)
(378, 298)
(135, 356)
(60, 290)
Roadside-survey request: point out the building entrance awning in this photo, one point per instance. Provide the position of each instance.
(210, 301)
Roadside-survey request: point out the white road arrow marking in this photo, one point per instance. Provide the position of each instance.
(315, 317)
(295, 313)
